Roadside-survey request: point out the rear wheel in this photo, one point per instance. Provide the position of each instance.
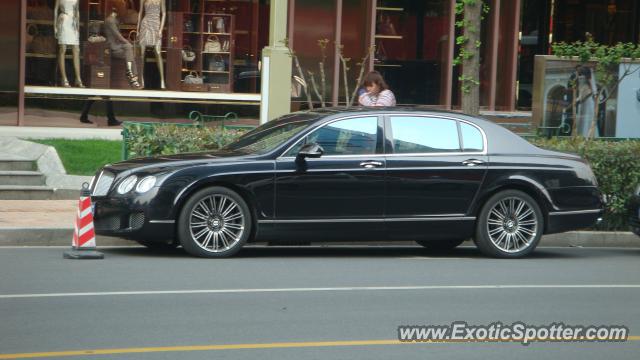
(214, 222)
(510, 225)
(440, 245)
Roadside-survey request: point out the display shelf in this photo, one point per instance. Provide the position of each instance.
(388, 8)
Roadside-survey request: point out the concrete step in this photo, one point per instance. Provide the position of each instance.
(21, 192)
(21, 178)
(9, 164)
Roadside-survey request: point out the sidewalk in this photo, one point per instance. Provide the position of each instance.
(50, 223)
(29, 132)
(42, 223)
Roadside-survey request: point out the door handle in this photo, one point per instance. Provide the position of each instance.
(473, 162)
(370, 164)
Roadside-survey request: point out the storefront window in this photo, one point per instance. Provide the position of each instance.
(178, 45)
(533, 40)
(9, 65)
(411, 40)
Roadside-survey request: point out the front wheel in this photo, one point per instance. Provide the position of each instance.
(510, 225)
(215, 222)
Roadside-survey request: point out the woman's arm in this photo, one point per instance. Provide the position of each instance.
(386, 98)
(366, 100)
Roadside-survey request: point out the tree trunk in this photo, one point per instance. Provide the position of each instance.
(471, 66)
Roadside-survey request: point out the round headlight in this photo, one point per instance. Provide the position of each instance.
(127, 184)
(146, 184)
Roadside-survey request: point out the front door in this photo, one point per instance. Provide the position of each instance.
(342, 192)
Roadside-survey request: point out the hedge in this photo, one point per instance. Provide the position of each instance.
(147, 139)
(616, 164)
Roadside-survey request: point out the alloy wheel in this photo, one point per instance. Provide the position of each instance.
(217, 223)
(512, 225)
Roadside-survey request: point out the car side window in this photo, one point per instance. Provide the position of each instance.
(471, 138)
(356, 136)
(420, 134)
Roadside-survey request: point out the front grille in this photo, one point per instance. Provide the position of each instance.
(103, 184)
(136, 220)
(109, 223)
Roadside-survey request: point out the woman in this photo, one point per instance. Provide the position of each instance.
(151, 19)
(377, 91)
(66, 27)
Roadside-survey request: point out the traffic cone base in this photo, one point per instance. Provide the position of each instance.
(80, 254)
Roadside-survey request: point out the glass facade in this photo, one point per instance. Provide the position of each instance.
(156, 60)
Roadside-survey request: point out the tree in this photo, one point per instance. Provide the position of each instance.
(608, 61)
(472, 13)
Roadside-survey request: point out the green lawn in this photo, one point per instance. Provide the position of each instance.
(85, 157)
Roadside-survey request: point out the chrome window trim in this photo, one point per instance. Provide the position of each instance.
(453, 153)
(323, 125)
(484, 135)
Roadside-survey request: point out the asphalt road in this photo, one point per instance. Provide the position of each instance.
(307, 303)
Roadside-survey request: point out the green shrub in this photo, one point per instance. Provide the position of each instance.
(144, 139)
(617, 168)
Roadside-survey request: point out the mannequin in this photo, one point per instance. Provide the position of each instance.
(120, 47)
(66, 25)
(151, 19)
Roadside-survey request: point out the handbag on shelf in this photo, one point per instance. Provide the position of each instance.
(131, 15)
(193, 82)
(212, 45)
(220, 26)
(95, 27)
(188, 55)
(188, 26)
(133, 36)
(225, 46)
(40, 12)
(43, 44)
(193, 79)
(96, 38)
(30, 34)
(217, 63)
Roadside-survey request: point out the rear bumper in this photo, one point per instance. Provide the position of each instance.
(561, 221)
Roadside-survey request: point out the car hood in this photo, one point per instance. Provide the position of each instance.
(167, 162)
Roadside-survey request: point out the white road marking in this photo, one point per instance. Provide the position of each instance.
(323, 289)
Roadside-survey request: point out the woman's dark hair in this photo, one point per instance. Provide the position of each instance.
(374, 77)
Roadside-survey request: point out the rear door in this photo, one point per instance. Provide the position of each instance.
(435, 167)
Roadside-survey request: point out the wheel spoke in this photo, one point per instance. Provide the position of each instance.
(200, 233)
(230, 208)
(497, 214)
(207, 239)
(525, 214)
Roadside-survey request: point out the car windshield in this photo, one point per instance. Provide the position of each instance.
(271, 135)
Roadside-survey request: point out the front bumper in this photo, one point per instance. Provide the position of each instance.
(132, 218)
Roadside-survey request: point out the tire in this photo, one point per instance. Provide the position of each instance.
(510, 225)
(214, 223)
(440, 245)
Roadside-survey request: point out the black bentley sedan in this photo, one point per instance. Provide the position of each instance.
(437, 178)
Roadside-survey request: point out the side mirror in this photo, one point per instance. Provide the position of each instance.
(311, 150)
